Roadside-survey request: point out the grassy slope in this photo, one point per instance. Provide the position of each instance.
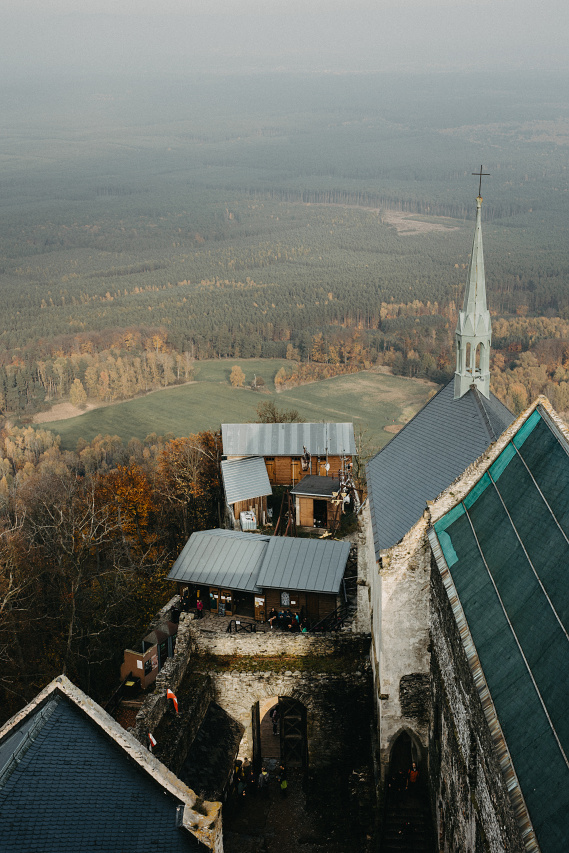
(371, 400)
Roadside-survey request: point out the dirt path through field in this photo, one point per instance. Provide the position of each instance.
(404, 223)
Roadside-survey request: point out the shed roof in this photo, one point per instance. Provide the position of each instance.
(72, 780)
(311, 565)
(250, 562)
(161, 632)
(503, 553)
(316, 486)
(225, 558)
(431, 451)
(244, 479)
(288, 439)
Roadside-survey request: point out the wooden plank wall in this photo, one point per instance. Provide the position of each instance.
(287, 470)
(258, 505)
(316, 605)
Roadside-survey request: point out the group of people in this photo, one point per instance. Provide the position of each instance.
(247, 783)
(404, 783)
(287, 621)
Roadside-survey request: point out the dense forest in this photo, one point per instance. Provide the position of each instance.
(86, 542)
(147, 225)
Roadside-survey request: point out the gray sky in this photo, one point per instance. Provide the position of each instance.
(333, 35)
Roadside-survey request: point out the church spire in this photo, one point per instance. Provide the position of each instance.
(474, 330)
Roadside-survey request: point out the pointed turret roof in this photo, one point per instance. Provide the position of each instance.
(474, 329)
(475, 308)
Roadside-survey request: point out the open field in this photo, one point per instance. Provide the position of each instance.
(372, 400)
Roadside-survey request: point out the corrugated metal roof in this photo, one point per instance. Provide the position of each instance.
(431, 451)
(503, 553)
(311, 565)
(314, 485)
(250, 561)
(288, 439)
(224, 558)
(245, 478)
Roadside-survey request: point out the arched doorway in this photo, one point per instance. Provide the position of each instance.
(403, 753)
(290, 744)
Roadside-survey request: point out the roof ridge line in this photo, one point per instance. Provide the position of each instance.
(483, 412)
(29, 738)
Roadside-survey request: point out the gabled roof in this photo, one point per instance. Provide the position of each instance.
(250, 562)
(310, 565)
(72, 779)
(316, 486)
(288, 439)
(225, 558)
(244, 479)
(503, 553)
(431, 451)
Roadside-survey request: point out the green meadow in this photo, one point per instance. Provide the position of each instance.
(370, 399)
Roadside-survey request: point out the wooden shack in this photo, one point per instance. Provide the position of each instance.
(292, 450)
(246, 486)
(247, 574)
(318, 501)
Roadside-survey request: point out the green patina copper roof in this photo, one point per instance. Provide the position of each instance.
(506, 555)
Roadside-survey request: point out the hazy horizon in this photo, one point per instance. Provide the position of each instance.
(72, 37)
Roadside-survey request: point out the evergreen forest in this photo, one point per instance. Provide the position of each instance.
(150, 223)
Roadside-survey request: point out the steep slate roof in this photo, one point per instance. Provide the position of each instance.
(431, 451)
(503, 553)
(249, 562)
(316, 486)
(287, 439)
(245, 478)
(74, 788)
(225, 558)
(311, 565)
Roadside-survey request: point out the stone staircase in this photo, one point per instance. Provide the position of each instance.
(407, 828)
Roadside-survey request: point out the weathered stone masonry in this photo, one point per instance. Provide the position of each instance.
(469, 796)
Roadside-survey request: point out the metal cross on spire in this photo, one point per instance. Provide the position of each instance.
(480, 174)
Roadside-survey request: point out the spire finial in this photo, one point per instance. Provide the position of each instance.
(480, 174)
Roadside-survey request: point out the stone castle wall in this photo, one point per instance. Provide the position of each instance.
(276, 643)
(470, 800)
(399, 611)
(338, 708)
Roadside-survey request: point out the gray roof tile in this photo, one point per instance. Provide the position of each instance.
(431, 451)
(314, 485)
(76, 789)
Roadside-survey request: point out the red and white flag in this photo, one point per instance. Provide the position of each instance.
(171, 695)
(152, 741)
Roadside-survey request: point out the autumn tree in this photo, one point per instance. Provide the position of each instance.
(77, 393)
(84, 584)
(189, 484)
(237, 377)
(267, 413)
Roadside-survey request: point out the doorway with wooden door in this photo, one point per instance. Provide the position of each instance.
(279, 732)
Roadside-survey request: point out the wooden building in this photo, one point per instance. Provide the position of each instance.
(248, 573)
(246, 486)
(292, 450)
(318, 501)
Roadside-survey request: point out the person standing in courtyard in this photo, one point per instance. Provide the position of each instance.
(263, 782)
(412, 780)
(275, 719)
